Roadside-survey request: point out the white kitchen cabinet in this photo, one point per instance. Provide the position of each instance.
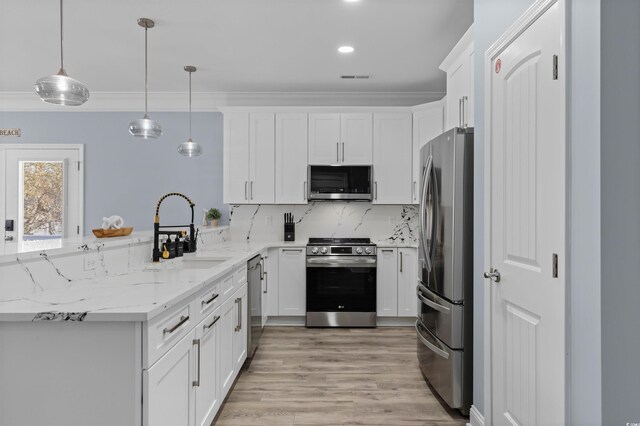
(291, 158)
(208, 391)
(240, 329)
(227, 325)
(292, 282)
(407, 282)
(249, 158)
(392, 158)
(340, 138)
(397, 277)
(236, 158)
(459, 66)
(387, 282)
(170, 398)
(428, 122)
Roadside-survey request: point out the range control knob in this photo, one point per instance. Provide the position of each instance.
(314, 250)
(323, 250)
(367, 250)
(359, 250)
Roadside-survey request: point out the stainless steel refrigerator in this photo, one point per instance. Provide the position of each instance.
(445, 290)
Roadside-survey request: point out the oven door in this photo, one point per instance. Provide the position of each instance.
(341, 284)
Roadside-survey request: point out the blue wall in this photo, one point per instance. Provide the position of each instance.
(491, 20)
(126, 175)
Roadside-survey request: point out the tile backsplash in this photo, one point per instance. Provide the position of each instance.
(392, 223)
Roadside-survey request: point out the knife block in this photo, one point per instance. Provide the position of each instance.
(289, 231)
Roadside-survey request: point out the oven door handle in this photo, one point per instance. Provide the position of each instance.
(339, 262)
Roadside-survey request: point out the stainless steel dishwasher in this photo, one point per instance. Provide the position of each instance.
(255, 269)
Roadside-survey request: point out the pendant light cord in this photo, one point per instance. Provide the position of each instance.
(145, 71)
(189, 105)
(61, 51)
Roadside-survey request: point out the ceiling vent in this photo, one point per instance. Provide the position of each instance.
(356, 77)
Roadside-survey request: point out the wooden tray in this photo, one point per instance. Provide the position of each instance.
(106, 233)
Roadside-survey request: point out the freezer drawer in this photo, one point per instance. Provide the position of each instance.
(441, 317)
(441, 366)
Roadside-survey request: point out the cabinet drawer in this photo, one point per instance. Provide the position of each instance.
(166, 330)
(208, 299)
(239, 276)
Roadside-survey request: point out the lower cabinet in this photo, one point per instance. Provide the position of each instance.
(240, 329)
(208, 391)
(292, 282)
(397, 277)
(171, 392)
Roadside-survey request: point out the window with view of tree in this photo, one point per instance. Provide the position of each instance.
(42, 197)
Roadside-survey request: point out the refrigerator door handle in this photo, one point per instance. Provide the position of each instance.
(438, 307)
(428, 344)
(423, 204)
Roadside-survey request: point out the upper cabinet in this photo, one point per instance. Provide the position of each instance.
(249, 151)
(291, 158)
(459, 67)
(340, 138)
(428, 122)
(392, 158)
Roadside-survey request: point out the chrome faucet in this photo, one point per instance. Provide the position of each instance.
(188, 248)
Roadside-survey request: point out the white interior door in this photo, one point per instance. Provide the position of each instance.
(527, 225)
(43, 192)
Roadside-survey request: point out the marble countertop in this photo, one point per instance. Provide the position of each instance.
(138, 294)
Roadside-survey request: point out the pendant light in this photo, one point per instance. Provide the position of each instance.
(145, 127)
(60, 89)
(190, 148)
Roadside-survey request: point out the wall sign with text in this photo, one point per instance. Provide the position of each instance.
(11, 132)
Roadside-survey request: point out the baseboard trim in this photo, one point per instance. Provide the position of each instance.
(381, 321)
(475, 418)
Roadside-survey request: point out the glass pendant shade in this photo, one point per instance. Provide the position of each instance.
(60, 89)
(145, 128)
(190, 148)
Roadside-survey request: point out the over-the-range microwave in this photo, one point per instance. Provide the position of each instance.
(341, 182)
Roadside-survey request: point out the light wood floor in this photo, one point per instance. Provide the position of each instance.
(303, 376)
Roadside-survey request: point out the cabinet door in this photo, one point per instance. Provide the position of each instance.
(170, 397)
(392, 159)
(468, 105)
(208, 397)
(427, 124)
(240, 329)
(261, 158)
(264, 298)
(236, 158)
(227, 324)
(291, 158)
(292, 282)
(324, 138)
(356, 133)
(407, 282)
(387, 282)
(457, 82)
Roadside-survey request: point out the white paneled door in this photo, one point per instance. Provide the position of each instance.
(526, 222)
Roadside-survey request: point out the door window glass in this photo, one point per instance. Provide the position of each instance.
(42, 199)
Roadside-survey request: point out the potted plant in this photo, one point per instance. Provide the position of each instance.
(213, 215)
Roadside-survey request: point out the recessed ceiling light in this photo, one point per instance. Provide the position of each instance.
(345, 49)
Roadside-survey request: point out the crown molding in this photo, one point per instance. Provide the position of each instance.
(213, 101)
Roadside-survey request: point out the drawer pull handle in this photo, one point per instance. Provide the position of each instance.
(215, 320)
(183, 320)
(213, 297)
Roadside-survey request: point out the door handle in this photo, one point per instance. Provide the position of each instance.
(375, 190)
(464, 113)
(251, 190)
(460, 112)
(266, 283)
(196, 382)
(343, 152)
(245, 190)
(239, 302)
(493, 275)
(400, 262)
(304, 190)
(337, 152)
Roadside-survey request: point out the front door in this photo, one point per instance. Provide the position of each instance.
(42, 192)
(527, 225)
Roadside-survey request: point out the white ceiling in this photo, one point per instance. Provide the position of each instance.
(237, 45)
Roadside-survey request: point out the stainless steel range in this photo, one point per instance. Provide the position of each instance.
(341, 282)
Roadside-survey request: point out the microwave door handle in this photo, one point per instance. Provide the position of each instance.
(423, 204)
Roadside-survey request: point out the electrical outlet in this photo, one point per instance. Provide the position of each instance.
(90, 263)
